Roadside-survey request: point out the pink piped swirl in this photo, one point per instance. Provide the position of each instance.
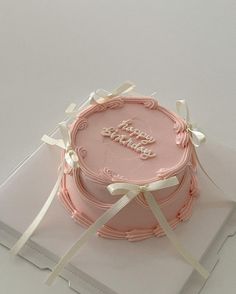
(110, 175)
(99, 107)
(151, 103)
(81, 151)
(183, 136)
(180, 125)
(82, 123)
(112, 103)
(182, 139)
(163, 173)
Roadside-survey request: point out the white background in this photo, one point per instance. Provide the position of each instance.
(55, 52)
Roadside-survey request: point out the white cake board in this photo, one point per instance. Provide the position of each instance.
(110, 266)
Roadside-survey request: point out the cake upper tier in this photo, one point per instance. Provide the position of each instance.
(133, 139)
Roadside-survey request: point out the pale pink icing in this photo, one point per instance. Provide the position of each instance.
(98, 118)
(102, 162)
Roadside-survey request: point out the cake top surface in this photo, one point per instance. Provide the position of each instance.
(130, 139)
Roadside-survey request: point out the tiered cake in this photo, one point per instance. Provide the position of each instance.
(129, 140)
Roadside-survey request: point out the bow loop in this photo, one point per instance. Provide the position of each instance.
(196, 137)
(122, 188)
(71, 158)
(161, 184)
(71, 110)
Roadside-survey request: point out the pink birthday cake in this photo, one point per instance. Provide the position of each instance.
(136, 141)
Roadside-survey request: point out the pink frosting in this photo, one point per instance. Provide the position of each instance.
(108, 231)
(104, 161)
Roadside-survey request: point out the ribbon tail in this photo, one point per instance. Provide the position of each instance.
(31, 229)
(156, 210)
(99, 223)
(70, 108)
(205, 172)
(122, 89)
(51, 141)
(182, 109)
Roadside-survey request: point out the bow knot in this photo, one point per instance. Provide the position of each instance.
(143, 188)
(196, 136)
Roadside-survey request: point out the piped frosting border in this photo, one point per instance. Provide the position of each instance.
(136, 234)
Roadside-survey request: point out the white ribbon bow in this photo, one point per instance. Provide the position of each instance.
(131, 191)
(122, 188)
(71, 156)
(99, 96)
(104, 95)
(71, 159)
(197, 137)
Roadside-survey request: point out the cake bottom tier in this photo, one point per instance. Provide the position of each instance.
(135, 221)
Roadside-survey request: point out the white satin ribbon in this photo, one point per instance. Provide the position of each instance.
(33, 226)
(104, 95)
(196, 137)
(99, 96)
(71, 159)
(131, 191)
(71, 156)
(71, 110)
(120, 188)
(156, 210)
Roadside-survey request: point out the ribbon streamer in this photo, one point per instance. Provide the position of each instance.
(102, 220)
(33, 226)
(71, 159)
(196, 137)
(156, 210)
(131, 191)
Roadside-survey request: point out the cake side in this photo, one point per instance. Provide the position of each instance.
(129, 223)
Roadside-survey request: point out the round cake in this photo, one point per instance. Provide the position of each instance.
(129, 140)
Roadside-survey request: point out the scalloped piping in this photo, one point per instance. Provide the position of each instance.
(133, 235)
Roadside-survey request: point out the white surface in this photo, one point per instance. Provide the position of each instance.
(55, 51)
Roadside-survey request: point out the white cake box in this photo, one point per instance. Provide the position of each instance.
(111, 266)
